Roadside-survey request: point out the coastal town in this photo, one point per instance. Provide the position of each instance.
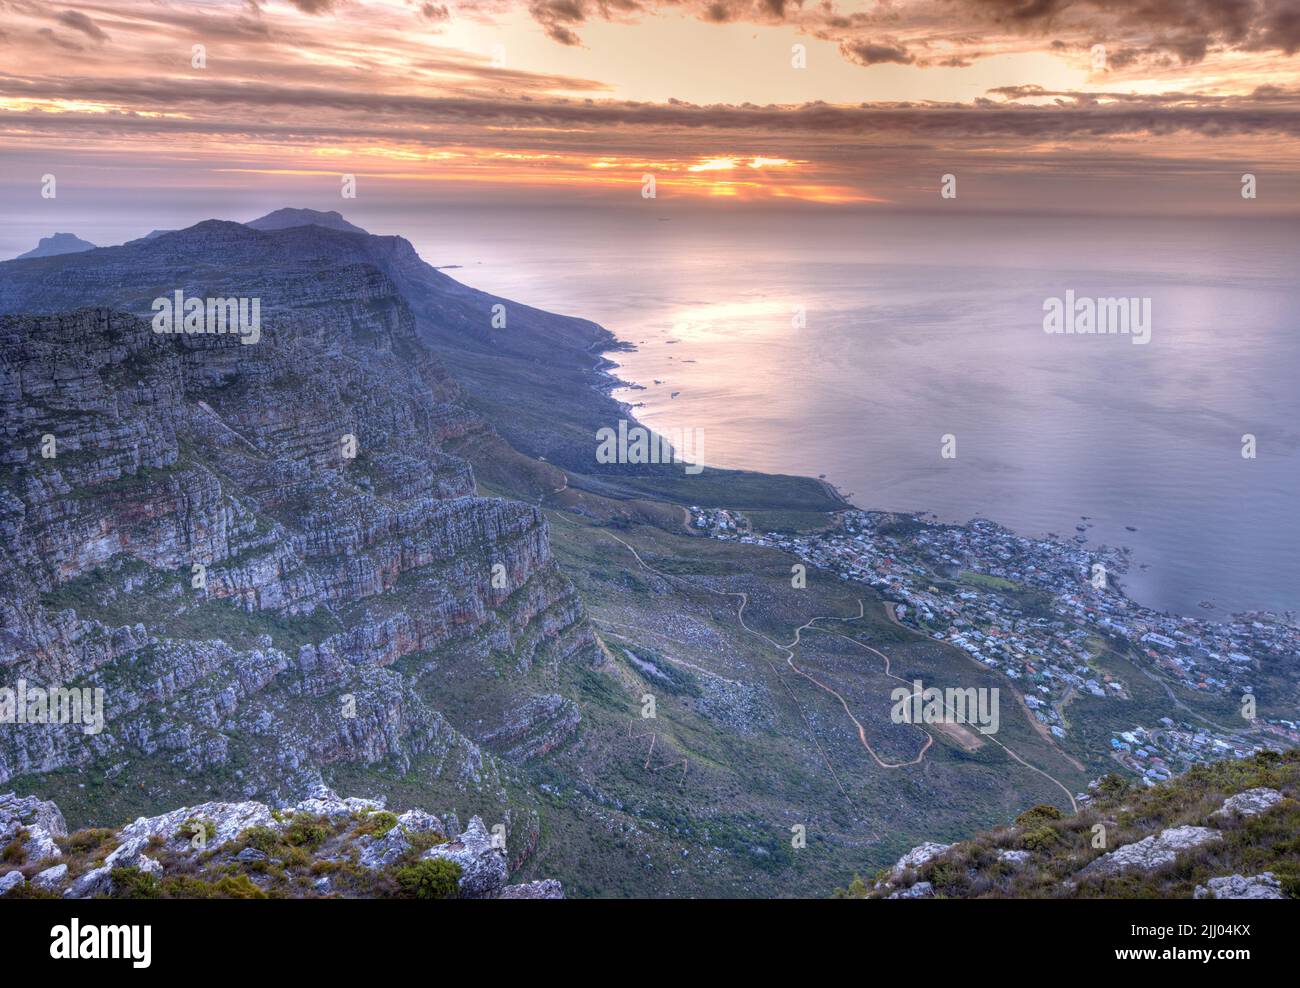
(1041, 611)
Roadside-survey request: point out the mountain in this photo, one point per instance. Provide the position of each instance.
(347, 612)
(283, 219)
(60, 243)
(468, 614)
(1225, 830)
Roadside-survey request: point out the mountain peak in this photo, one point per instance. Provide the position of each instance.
(283, 219)
(60, 243)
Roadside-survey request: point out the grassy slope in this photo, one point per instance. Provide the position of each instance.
(1059, 848)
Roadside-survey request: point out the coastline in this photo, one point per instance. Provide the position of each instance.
(606, 380)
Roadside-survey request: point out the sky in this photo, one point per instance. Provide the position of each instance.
(1100, 106)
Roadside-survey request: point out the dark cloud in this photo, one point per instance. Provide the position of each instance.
(1081, 115)
(58, 42)
(872, 53)
(78, 21)
(1186, 29)
(315, 6)
(555, 16)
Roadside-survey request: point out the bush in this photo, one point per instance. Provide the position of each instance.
(949, 878)
(1039, 839)
(237, 887)
(132, 883)
(306, 831)
(425, 839)
(264, 839)
(1112, 785)
(1037, 815)
(88, 840)
(377, 824)
(436, 878)
(13, 852)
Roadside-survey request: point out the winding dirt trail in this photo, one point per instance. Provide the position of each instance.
(810, 625)
(788, 649)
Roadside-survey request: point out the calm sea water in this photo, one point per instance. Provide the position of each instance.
(919, 327)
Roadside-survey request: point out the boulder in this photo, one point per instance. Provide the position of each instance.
(921, 890)
(323, 801)
(380, 852)
(51, 878)
(1262, 886)
(917, 857)
(28, 811)
(1151, 852)
(482, 865)
(1249, 803)
(92, 883)
(547, 889)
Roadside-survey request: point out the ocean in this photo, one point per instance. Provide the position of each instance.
(851, 344)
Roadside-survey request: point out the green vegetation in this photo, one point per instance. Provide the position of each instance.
(1060, 846)
(436, 878)
(376, 824)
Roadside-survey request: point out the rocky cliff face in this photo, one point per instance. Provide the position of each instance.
(255, 551)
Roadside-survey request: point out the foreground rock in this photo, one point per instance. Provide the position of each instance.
(1152, 852)
(1252, 802)
(1262, 886)
(322, 846)
(548, 889)
(916, 858)
(32, 823)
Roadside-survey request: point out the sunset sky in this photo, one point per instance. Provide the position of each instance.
(569, 101)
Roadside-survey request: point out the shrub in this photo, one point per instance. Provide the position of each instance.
(237, 887)
(264, 839)
(377, 824)
(949, 878)
(306, 831)
(1037, 815)
(132, 883)
(425, 839)
(13, 852)
(436, 878)
(1112, 785)
(1039, 839)
(88, 840)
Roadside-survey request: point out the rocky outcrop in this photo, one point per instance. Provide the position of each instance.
(482, 860)
(1152, 852)
(1249, 803)
(916, 858)
(548, 889)
(904, 870)
(1262, 886)
(919, 890)
(30, 825)
(357, 846)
